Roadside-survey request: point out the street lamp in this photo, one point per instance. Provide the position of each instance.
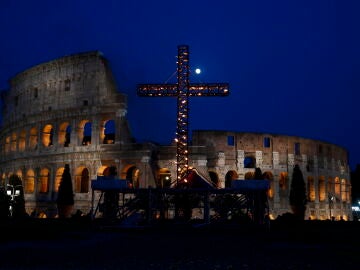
(12, 191)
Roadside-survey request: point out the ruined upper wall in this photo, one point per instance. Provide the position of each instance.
(311, 152)
(70, 82)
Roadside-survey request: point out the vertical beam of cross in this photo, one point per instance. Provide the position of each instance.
(183, 90)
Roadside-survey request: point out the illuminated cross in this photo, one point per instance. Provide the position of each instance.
(183, 90)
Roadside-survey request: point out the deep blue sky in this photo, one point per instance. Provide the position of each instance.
(293, 66)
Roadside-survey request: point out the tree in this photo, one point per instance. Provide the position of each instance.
(65, 199)
(17, 200)
(297, 197)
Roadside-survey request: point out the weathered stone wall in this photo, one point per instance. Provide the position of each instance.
(324, 166)
(47, 109)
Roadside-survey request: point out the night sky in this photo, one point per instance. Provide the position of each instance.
(293, 66)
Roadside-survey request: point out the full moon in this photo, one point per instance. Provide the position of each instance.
(198, 71)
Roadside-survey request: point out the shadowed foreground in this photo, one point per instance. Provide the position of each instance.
(56, 244)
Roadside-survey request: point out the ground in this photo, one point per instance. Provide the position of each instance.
(82, 245)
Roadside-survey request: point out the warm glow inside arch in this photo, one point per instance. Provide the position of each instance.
(337, 187)
(33, 139)
(19, 174)
(311, 188)
(283, 181)
(59, 173)
(84, 132)
(64, 134)
(29, 183)
(164, 178)
(47, 135)
(269, 176)
(345, 191)
(22, 140)
(322, 189)
(249, 175)
(230, 176)
(7, 144)
(13, 141)
(44, 180)
(3, 178)
(107, 132)
(100, 171)
(82, 180)
(132, 174)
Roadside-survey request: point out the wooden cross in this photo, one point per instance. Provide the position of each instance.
(183, 90)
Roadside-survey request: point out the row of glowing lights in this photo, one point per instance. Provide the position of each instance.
(192, 88)
(165, 94)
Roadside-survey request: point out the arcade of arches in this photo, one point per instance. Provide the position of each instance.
(28, 140)
(38, 181)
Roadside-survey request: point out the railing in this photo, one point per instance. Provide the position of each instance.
(155, 205)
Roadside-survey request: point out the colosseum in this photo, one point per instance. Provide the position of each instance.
(69, 111)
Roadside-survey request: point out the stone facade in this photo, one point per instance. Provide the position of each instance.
(324, 167)
(69, 111)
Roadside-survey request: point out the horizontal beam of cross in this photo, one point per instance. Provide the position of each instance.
(183, 90)
(193, 90)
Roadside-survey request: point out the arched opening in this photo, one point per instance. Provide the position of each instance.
(229, 177)
(67, 136)
(33, 139)
(29, 183)
(85, 132)
(284, 187)
(13, 141)
(164, 178)
(106, 171)
(337, 187)
(59, 173)
(64, 134)
(214, 178)
(22, 140)
(3, 178)
(283, 181)
(42, 215)
(331, 185)
(19, 173)
(44, 180)
(322, 189)
(249, 162)
(269, 176)
(101, 170)
(344, 191)
(9, 174)
(249, 175)
(47, 135)
(132, 174)
(311, 189)
(7, 144)
(82, 180)
(108, 134)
